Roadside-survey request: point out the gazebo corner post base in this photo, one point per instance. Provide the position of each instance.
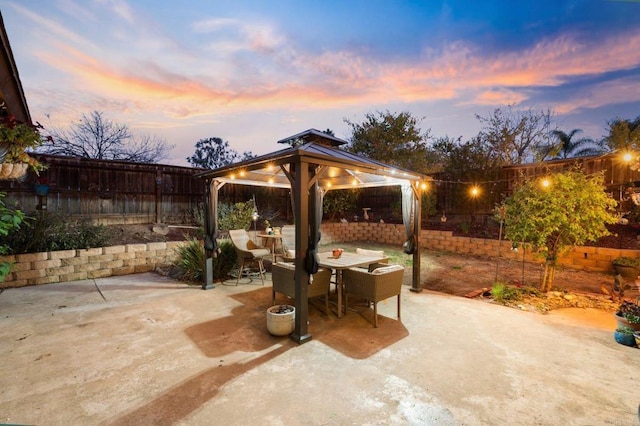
(300, 339)
(415, 290)
(208, 274)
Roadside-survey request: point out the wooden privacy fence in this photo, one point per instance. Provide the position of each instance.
(117, 192)
(109, 192)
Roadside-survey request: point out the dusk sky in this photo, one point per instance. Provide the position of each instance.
(254, 72)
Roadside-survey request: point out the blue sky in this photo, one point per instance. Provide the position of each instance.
(254, 72)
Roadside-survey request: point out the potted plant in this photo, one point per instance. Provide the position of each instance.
(624, 336)
(15, 139)
(281, 320)
(628, 315)
(627, 267)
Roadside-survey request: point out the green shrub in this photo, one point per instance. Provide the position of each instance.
(626, 261)
(502, 293)
(44, 231)
(235, 216)
(10, 221)
(191, 259)
(225, 261)
(338, 204)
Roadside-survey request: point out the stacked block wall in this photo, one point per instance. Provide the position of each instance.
(585, 258)
(72, 265)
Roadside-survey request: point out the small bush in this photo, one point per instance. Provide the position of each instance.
(191, 259)
(10, 221)
(503, 293)
(43, 231)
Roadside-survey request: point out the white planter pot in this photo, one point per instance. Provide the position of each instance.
(281, 324)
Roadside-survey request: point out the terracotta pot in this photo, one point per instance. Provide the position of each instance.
(629, 273)
(18, 170)
(5, 170)
(622, 322)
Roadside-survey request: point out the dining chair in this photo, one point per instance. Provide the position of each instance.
(282, 275)
(382, 283)
(247, 251)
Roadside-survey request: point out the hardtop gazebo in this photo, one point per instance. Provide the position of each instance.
(311, 166)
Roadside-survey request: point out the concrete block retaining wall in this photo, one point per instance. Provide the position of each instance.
(72, 265)
(582, 257)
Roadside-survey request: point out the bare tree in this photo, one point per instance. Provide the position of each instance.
(514, 135)
(95, 136)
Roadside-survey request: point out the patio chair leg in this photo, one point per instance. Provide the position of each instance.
(375, 314)
(240, 272)
(398, 307)
(261, 266)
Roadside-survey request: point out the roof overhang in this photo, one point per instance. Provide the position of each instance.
(338, 169)
(11, 92)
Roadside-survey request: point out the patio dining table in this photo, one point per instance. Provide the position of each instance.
(345, 261)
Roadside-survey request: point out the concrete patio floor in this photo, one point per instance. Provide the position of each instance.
(144, 349)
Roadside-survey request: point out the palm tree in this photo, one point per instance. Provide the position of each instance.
(568, 147)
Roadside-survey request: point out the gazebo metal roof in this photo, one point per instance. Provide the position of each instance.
(342, 169)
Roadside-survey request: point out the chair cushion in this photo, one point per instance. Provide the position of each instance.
(370, 252)
(286, 265)
(387, 269)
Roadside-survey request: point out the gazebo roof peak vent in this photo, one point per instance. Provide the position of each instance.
(313, 135)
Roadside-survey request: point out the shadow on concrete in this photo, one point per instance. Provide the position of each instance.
(245, 330)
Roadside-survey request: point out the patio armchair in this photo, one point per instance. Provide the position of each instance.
(382, 283)
(288, 234)
(284, 282)
(247, 251)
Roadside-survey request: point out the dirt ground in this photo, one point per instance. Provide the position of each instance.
(462, 275)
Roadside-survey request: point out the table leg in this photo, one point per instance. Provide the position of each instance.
(340, 291)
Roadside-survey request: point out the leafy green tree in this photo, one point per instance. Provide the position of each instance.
(212, 153)
(470, 161)
(394, 139)
(570, 210)
(624, 135)
(235, 216)
(515, 136)
(340, 203)
(567, 146)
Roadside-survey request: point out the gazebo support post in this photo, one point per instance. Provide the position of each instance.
(211, 228)
(300, 187)
(416, 287)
